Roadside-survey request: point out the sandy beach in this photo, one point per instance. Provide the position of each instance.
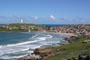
(69, 34)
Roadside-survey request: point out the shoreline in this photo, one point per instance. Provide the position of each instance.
(45, 47)
(70, 34)
(48, 46)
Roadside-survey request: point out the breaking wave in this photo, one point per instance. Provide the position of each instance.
(6, 50)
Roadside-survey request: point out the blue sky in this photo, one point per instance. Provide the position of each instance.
(45, 11)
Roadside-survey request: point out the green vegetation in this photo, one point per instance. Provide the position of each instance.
(3, 29)
(71, 50)
(21, 28)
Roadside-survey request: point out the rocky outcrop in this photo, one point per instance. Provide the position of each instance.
(72, 39)
(43, 52)
(86, 41)
(81, 57)
(39, 54)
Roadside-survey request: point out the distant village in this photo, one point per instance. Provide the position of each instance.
(41, 54)
(21, 27)
(77, 29)
(24, 27)
(74, 29)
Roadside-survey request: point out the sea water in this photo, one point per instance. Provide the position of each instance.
(15, 45)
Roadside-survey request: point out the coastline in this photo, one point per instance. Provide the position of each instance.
(70, 34)
(47, 46)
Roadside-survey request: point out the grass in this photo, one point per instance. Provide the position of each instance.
(71, 50)
(19, 29)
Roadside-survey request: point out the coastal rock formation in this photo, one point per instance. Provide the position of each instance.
(81, 57)
(86, 41)
(39, 54)
(72, 39)
(43, 52)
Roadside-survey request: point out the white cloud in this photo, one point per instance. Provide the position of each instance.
(52, 17)
(35, 17)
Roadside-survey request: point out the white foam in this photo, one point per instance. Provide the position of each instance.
(35, 35)
(12, 57)
(50, 36)
(22, 43)
(13, 48)
(23, 46)
(28, 42)
(9, 50)
(0, 46)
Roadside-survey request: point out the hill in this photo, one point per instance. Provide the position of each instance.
(21, 27)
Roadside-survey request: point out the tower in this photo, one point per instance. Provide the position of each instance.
(21, 21)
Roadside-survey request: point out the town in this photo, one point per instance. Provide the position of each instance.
(20, 27)
(24, 27)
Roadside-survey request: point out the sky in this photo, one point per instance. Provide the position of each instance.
(45, 11)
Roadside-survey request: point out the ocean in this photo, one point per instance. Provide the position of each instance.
(15, 45)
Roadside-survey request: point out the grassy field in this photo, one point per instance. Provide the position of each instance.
(71, 50)
(18, 28)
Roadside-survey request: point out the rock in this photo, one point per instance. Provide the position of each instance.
(81, 57)
(84, 57)
(44, 52)
(86, 41)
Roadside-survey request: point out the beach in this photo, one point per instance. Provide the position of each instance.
(21, 44)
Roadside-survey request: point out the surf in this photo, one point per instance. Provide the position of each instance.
(23, 46)
(27, 46)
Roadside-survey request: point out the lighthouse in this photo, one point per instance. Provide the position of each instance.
(21, 21)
